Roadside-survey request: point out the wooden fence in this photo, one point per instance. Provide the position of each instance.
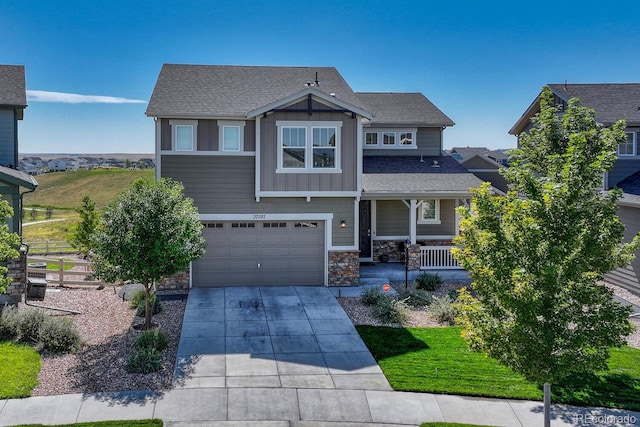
(51, 247)
(59, 271)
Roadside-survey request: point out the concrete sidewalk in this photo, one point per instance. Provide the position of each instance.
(286, 356)
(297, 407)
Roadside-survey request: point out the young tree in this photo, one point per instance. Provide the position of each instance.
(536, 256)
(8, 244)
(83, 235)
(149, 232)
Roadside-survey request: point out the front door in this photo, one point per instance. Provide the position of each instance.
(365, 229)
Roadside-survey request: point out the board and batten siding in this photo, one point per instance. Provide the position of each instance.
(622, 168)
(225, 185)
(628, 277)
(428, 143)
(346, 180)
(208, 135)
(8, 143)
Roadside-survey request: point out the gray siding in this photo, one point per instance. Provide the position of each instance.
(272, 181)
(8, 143)
(208, 133)
(479, 163)
(392, 218)
(225, 185)
(622, 168)
(628, 277)
(428, 142)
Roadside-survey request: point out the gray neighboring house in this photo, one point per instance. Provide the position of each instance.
(13, 101)
(611, 102)
(484, 163)
(298, 178)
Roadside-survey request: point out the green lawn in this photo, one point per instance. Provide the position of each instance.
(128, 423)
(436, 360)
(19, 367)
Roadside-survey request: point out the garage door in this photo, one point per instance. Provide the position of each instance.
(266, 253)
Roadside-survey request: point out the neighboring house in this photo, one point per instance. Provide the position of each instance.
(57, 165)
(29, 168)
(298, 178)
(483, 163)
(13, 101)
(611, 103)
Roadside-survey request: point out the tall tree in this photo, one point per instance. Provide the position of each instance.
(150, 232)
(537, 256)
(8, 244)
(84, 233)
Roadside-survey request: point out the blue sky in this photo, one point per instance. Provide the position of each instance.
(482, 63)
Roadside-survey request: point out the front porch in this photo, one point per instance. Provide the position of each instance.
(374, 272)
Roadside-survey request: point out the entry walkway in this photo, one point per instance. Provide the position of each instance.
(284, 357)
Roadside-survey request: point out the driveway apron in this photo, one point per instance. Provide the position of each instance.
(274, 337)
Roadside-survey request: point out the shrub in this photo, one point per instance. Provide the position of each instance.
(59, 335)
(144, 361)
(156, 306)
(416, 298)
(29, 323)
(153, 339)
(137, 298)
(453, 294)
(391, 310)
(428, 281)
(371, 296)
(441, 309)
(9, 323)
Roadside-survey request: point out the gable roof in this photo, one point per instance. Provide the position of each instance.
(200, 91)
(611, 102)
(409, 109)
(12, 87)
(631, 184)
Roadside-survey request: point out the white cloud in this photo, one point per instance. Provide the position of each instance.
(72, 98)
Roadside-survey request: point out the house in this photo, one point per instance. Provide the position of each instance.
(13, 101)
(611, 102)
(57, 165)
(298, 178)
(483, 163)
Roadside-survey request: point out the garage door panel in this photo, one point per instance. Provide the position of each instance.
(288, 255)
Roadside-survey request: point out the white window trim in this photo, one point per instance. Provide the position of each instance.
(435, 221)
(174, 133)
(224, 124)
(396, 146)
(634, 145)
(308, 157)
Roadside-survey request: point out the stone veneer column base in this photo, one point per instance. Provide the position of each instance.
(344, 268)
(18, 272)
(178, 283)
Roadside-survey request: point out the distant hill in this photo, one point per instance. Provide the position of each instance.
(65, 190)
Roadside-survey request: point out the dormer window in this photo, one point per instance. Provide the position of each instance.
(308, 147)
(390, 138)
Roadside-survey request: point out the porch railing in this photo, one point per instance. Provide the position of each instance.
(437, 258)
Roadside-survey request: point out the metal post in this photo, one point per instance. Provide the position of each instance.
(406, 263)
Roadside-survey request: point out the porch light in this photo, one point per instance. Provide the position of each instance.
(343, 224)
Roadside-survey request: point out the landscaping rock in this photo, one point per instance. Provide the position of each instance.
(126, 291)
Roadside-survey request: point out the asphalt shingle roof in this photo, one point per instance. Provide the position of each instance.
(631, 184)
(408, 175)
(233, 91)
(12, 86)
(14, 176)
(403, 109)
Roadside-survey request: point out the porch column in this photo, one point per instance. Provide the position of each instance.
(413, 208)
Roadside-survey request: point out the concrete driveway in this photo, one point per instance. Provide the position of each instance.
(272, 337)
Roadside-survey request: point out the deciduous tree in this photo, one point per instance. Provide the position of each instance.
(9, 243)
(84, 233)
(537, 256)
(150, 232)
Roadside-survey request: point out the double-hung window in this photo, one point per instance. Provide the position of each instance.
(184, 134)
(308, 146)
(628, 148)
(429, 211)
(231, 136)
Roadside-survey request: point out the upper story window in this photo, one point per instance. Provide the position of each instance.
(231, 136)
(429, 211)
(308, 146)
(390, 138)
(183, 134)
(628, 148)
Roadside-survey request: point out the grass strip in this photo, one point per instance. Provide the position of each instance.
(437, 360)
(19, 368)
